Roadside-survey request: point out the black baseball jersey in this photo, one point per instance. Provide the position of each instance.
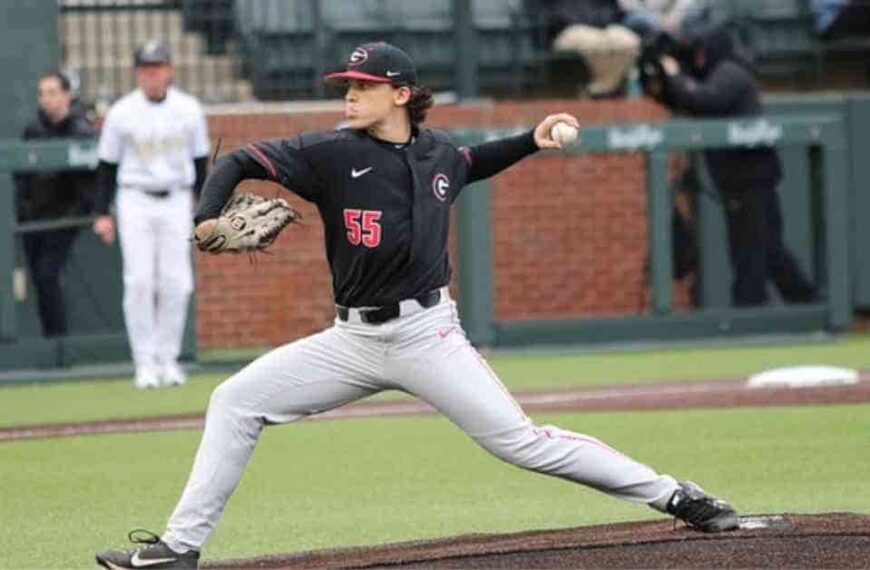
(385, 207)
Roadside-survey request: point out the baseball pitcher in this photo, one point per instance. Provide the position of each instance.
(383, 186)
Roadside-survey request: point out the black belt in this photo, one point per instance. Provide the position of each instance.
(158, 193)
(378, 315)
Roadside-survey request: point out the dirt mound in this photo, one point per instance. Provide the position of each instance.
(764, 541)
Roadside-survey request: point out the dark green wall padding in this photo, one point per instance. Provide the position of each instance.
(816, 192)
(93, 288)
(853, 109)
(29, 48)
(818, 197)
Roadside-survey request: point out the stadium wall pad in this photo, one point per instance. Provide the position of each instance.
(569, 233)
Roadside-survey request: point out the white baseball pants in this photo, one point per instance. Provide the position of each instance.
(155, 236)
(425, 354)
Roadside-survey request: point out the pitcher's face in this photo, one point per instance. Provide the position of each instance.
(367, 103)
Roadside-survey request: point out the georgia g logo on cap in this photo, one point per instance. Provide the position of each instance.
(358, 57)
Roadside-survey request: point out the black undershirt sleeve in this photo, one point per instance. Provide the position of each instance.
(106, 180)
(200, 165)
(220, 183)
(490, 158)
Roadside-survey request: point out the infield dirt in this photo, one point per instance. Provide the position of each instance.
(790, 541)
(725, 393)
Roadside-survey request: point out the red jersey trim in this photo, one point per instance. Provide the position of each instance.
(264, 160)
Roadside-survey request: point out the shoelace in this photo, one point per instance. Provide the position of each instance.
(141, 536)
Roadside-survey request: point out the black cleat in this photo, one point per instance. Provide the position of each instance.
(699, 510)
(155, 556)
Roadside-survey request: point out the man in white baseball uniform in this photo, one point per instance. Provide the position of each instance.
(153, 150)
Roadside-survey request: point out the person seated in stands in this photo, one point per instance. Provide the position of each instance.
(677, 18)
(592, 29)
(840, 18)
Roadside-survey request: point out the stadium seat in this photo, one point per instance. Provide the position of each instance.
(213, 19)
(278, 39)
(779, 35)
(276, 43)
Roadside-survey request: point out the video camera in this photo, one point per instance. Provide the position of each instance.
(650, 66)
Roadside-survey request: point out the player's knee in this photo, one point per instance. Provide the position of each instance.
(176, 285)
(520, 448)
(223, 399)
(138, 285)
(235, 397)
(229, 406)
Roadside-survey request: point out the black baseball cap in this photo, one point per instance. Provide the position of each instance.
(378, 62)
(153, 52)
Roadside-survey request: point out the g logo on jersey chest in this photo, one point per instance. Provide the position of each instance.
(441, 186)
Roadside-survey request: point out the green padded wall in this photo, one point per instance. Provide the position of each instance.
(854, 109)
(29, 47)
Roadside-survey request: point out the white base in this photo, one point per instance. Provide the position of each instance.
(803, 377)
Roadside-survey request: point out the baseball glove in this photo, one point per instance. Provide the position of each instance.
(247, 223)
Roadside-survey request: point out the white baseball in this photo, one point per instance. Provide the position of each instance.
(563, 133)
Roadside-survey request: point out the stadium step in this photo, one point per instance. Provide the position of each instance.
(101, 49)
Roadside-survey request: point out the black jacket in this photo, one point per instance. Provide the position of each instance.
(725, 87)
(49, 195)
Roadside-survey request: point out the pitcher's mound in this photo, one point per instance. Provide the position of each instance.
(837, 540)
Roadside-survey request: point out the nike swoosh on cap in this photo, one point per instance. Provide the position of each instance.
(354, 173)
(393, 73)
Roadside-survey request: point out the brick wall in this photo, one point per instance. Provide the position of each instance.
(569, 233)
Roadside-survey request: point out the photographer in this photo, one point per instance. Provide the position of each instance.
(717, 84)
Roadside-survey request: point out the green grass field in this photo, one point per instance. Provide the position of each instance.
(371, 481)
(82, 401)
(314, 485)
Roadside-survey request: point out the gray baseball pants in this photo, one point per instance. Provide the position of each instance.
(424, 353)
